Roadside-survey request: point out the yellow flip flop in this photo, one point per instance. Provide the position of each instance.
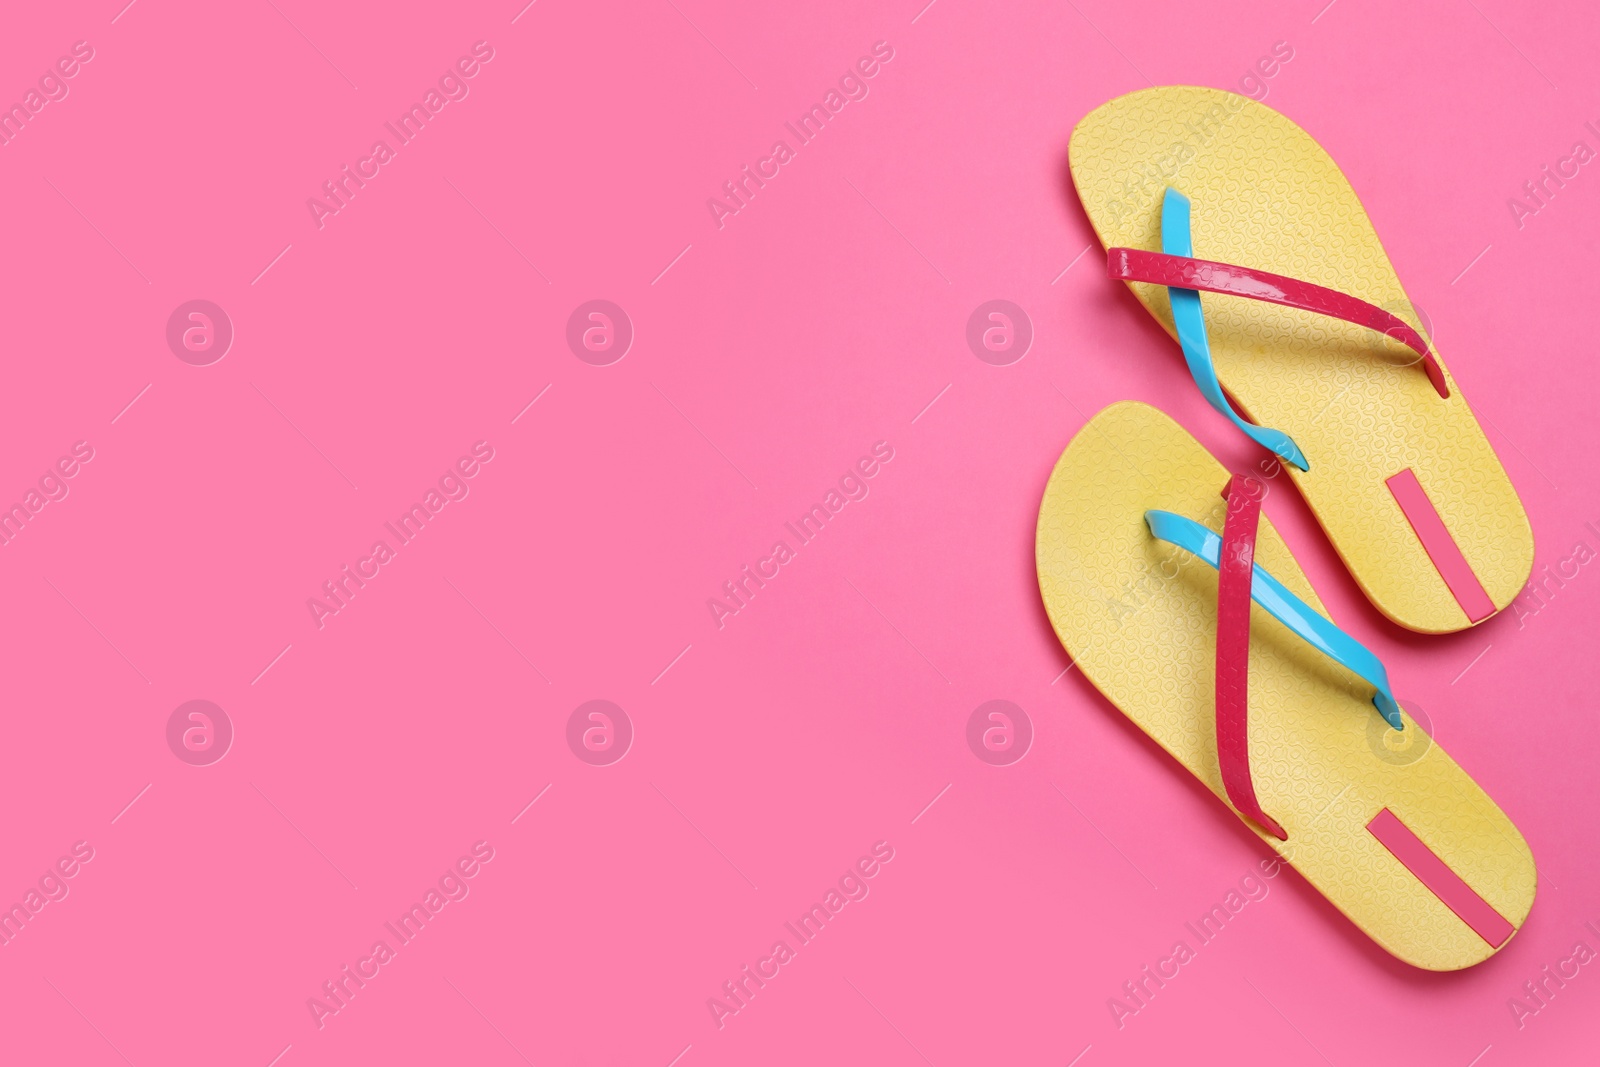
(1324, 354)
(1149, 555)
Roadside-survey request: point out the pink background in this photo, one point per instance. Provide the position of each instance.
(771, 753)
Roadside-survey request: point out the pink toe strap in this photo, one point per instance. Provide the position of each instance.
(1184, 272)
(1235, 572)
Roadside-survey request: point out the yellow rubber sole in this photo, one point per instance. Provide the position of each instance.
(1139, 618)
(1265, 195)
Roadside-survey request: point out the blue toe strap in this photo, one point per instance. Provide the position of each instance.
(1190, 323)
(1287, 608)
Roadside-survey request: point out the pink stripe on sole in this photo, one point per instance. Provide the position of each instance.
(1444, 883)
(1440, 546)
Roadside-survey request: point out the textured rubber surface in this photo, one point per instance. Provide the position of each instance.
(1434, 873)
(1265, 195)
(1139, 619)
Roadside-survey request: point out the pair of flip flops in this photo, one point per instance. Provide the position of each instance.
(1150, 552)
